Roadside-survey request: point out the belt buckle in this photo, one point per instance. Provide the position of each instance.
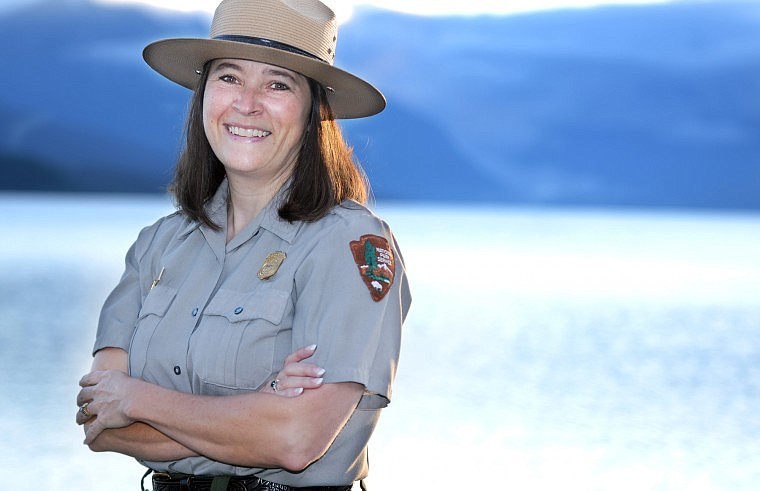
(160, 475)
(166, 478)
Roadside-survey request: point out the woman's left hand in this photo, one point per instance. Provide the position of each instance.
(105, 395)
(296, 375)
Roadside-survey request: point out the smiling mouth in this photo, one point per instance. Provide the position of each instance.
(247, 132)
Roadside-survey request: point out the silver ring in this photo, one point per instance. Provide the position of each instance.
(84, 411)
(275, 385)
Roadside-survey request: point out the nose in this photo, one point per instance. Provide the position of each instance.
(248, 101)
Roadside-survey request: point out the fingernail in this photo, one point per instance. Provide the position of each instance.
(319, 372)
(298, 390)
(313, 347)
(319, 381)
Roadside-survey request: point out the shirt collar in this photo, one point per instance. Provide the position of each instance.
(216, 210)
(268, 219)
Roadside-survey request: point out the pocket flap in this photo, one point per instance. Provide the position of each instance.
(264, 303)
(157, 301)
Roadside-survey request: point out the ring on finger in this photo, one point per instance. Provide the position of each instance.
(84, 411)
(275, 385)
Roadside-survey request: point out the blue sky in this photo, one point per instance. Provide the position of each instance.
(343, 8)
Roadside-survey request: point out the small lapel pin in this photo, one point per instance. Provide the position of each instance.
(271, 264)
(157, 280)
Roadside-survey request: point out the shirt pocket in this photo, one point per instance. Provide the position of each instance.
(153, 310)
(233, 348)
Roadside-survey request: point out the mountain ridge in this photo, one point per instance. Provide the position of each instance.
(614, 106)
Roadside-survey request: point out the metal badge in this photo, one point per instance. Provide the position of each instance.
(271, 264)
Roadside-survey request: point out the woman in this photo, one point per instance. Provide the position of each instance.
(271, 250)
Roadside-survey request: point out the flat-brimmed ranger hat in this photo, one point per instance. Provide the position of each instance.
(300, 35)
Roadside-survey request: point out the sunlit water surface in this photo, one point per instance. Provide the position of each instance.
(546, 349)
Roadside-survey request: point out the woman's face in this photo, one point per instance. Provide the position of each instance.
(254, 116)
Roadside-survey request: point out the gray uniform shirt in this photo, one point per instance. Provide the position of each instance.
(211, 326)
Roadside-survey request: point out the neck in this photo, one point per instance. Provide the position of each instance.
(245, 202)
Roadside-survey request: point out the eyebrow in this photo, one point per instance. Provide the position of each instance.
(280, 72)
(226, 65)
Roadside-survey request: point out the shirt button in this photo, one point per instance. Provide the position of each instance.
(195, 311)
(177, 370)
(238, 310)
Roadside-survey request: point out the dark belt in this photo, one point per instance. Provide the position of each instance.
(179, 482)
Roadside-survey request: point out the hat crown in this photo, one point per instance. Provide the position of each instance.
(308, 25)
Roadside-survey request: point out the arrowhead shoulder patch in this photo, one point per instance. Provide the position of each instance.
(377, 267)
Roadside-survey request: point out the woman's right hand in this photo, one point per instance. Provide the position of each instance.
(296, 375)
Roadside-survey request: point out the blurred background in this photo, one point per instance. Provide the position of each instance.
(575, 187)
(648, 105)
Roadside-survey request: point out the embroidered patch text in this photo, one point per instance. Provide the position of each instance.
(376, 264)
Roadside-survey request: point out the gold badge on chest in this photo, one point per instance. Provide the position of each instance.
(271, 264)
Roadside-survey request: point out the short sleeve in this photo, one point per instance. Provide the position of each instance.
(352, 298)
(120, 311)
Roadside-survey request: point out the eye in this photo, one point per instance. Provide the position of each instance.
(279, 86)
(230, 79)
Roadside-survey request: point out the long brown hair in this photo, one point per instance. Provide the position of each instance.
(324, 175)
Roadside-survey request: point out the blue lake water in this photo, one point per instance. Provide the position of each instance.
(546, 349)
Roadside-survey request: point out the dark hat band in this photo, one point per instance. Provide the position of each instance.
(269, 44)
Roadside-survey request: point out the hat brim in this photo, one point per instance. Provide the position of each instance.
(180, 59)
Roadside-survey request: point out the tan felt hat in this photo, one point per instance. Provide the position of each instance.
(300, 35)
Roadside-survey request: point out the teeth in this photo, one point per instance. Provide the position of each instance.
(247, 132)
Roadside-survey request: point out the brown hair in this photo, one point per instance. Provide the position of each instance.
(324, 175)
